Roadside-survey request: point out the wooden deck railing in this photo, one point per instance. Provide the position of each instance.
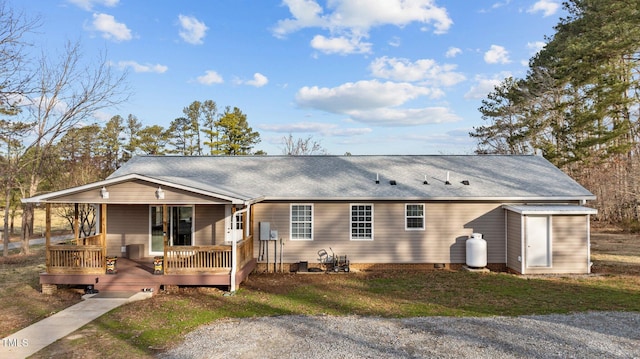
(195, 259)
(94, 240)
(245, 251)
(76, 259)
(210, 259)
(90, 258)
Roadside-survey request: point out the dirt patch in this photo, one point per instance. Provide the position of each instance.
(22, 301)
(615, 253)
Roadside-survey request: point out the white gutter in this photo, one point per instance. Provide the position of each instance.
(234, 247)
(436, 198)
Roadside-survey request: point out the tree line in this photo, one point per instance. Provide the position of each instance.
(201, 131)
(578, 106)
(48, 140)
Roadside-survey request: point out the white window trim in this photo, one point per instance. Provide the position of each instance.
(291, 222)
(351, 222)
(424, 215)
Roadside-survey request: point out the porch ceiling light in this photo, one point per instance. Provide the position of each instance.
(104, 194)
(159, 193)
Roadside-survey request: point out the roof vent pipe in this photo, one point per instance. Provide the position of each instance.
(425, 180)
(447, 182)
(377, 179)
(393, 182)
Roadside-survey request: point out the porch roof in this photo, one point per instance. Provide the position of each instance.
(216, 195)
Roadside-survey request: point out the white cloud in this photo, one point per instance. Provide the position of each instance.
(110, 28)
(192, 30)
(306, 13)
(375, 102)
(547, 7)
(340, 45)
(352, 19)
(89, 4)
(395, 42)
(497, 54)
(259, 80)
(535, 47)
(361, 95)
(404, 117)
(101, 116)
(322, 128)
(458, 136)
(453, 52)
(209, 78)
(399, 69)
(484, 85)
(157, 68)
(500, 4)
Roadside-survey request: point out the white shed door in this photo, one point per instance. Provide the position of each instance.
(538, 241)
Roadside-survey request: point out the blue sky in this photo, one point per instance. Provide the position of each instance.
(360, 76)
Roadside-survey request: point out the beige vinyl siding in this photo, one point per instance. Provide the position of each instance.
(569, 246)
(137, 191)
(514, 241)
(447, 226)
(127, 224)
(206, 226)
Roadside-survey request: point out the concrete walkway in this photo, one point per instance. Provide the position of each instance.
(35, 337)
(54, 239)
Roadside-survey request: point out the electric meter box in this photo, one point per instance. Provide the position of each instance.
(265, 231)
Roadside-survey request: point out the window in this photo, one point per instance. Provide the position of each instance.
(414, 216)
(302, 222)
(361, 221)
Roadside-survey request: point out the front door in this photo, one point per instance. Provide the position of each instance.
(180, 226)
(538, 241)
(231, 232)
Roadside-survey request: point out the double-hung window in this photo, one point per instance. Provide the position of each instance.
(302, 222)
(361, 221)
(414, 216)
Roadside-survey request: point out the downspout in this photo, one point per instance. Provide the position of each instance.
(523, 250)
(506, 238)
(234, 247)
(589, 264)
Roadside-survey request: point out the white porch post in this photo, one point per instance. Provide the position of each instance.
(234, 247)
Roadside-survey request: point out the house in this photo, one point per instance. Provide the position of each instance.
(213, 220)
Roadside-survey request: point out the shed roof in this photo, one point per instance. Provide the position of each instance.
(489, 177)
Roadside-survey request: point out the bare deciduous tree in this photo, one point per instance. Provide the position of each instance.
(67, 93)
(14, 77)
(301, 146)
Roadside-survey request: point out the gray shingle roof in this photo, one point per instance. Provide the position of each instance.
(353, 177)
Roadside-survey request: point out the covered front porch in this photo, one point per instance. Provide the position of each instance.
(216, 250)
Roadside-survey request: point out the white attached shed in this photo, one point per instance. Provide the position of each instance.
(543, 239)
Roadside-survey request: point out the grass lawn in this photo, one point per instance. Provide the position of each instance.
(140, 329)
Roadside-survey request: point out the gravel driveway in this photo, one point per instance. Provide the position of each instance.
(582, 335)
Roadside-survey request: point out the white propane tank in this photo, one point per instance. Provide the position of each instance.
(476, 251)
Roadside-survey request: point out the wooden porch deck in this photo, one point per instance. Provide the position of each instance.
(137, 275)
